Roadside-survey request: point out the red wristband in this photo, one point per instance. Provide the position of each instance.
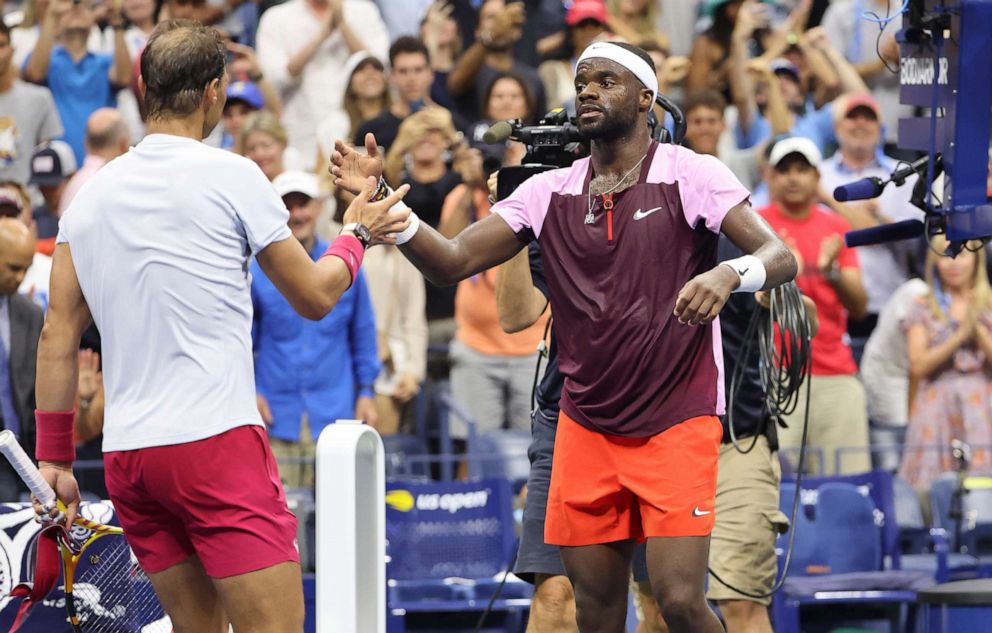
(53, 431)
(351, 252)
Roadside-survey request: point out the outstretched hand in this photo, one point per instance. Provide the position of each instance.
(382, 222)
(351, 168)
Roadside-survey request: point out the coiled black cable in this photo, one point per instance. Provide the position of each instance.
(784, 340)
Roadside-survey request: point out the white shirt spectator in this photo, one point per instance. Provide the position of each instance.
(883, 266)
(317, 91)
(163, 264)
(885, 362)
(403, 17)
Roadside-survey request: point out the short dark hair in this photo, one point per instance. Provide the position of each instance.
(408, 44)
(178, 62)
(706, 98)
(4, 29)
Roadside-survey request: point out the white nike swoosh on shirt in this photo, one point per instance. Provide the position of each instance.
(640, 215)
(696, 512)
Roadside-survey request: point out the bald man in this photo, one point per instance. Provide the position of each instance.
(20, 327)
(106, 138)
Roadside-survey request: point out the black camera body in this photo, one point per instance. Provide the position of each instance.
(556, 142)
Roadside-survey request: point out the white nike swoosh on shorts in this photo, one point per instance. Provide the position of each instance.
(696, 512)
(640, 215)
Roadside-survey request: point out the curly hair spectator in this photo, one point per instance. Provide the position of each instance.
(420, 157)
(949, 340)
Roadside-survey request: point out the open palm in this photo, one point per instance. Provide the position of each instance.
(352, 168)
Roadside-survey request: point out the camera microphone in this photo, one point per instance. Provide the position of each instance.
(498, 133)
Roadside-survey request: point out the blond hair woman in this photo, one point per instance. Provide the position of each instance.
(264, 140)
(949, 340)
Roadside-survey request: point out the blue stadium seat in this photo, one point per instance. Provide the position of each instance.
(923, 548)
(976, 527)
(500, 454)
(448, 546)
(406, 456)
(846, 550)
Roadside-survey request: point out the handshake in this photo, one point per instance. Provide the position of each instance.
(374, 207)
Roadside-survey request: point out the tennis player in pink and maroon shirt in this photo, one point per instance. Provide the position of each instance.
(629, 245)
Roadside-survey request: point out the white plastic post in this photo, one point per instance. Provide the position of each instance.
(351, 530)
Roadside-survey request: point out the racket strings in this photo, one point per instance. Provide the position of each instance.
(112, 594)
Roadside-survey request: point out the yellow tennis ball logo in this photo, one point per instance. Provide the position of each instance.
(401, 500)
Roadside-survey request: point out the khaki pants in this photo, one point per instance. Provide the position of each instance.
(838, 416)
(290, 455)
(742, 545)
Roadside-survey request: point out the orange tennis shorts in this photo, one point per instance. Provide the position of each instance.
(607, 488)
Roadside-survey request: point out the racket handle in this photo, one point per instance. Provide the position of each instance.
(29, 473)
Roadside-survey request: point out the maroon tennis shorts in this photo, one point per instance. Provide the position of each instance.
(219, 498)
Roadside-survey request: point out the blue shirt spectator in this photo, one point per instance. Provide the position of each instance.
(315, 367)
(81, 81)
(79, 88)
(816, 125)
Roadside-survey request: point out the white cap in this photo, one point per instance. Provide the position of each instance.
(795, 145)
(359, 58)
(297, 182)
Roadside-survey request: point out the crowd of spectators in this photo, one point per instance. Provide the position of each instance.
(795, 96)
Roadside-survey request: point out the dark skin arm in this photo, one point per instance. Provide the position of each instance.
(481, 246)
(702, 298)
(491, 242)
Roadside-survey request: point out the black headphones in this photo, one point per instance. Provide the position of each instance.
(658, 131)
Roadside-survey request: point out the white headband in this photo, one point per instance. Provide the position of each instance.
(640, 68)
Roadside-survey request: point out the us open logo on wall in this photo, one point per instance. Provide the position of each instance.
(451, 502)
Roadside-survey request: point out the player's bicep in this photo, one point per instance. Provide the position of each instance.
(746, 229)
(68, 311)
(488, 243)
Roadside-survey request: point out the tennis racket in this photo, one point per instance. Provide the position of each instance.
(106, 590)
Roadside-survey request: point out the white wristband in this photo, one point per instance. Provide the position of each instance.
(407, 234)
(751, 271)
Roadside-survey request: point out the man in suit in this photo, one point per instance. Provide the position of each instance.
(20, 328)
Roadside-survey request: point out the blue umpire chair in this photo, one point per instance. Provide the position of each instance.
(448, 547)
(846, 551)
